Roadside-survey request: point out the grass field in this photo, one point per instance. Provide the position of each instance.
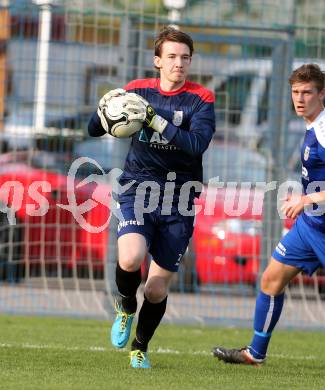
(59, 353)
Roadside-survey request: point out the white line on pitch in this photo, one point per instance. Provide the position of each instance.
(159, 350)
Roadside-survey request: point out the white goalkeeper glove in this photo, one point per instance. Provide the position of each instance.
(140, 109)
(108, 95)
(134, 107)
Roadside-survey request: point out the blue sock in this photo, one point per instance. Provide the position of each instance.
(267, 313)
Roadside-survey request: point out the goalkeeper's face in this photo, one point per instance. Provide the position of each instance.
(173, 63)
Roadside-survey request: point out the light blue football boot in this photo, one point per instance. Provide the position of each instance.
(121, 329)
(139, 359)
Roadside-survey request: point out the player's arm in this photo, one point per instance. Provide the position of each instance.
(294, 205)
(314, 198)
(95, 128)
(196, 140)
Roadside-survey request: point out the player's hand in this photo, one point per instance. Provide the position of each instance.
(294, 205)
(134, 107)
(147, 114)
(109, 95)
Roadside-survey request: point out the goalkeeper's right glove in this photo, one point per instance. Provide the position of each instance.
(145, 112)
(155, 121)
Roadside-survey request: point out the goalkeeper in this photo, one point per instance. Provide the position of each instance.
(178, 124)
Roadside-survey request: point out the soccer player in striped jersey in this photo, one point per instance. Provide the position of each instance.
(303, 247)
(178, 124)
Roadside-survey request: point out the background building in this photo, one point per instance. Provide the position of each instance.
(57, 58)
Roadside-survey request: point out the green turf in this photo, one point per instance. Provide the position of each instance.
(59, 353)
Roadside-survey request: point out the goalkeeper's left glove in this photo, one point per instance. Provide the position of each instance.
(147, 114)
(155, 121)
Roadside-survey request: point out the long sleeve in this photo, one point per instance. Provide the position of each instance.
(196, 140)
(95, 128)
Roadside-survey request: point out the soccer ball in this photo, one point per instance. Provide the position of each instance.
(116, 118)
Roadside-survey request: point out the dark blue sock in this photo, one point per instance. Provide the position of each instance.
(267, 313)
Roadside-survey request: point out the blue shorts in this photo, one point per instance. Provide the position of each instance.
(167, 236)
(302, 247)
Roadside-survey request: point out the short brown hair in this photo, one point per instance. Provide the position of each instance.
(173, 35)
(307, 73)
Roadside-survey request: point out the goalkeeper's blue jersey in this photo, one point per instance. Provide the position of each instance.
(191, 124)
(313, 168)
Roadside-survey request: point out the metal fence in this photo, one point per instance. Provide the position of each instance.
(57, 59)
